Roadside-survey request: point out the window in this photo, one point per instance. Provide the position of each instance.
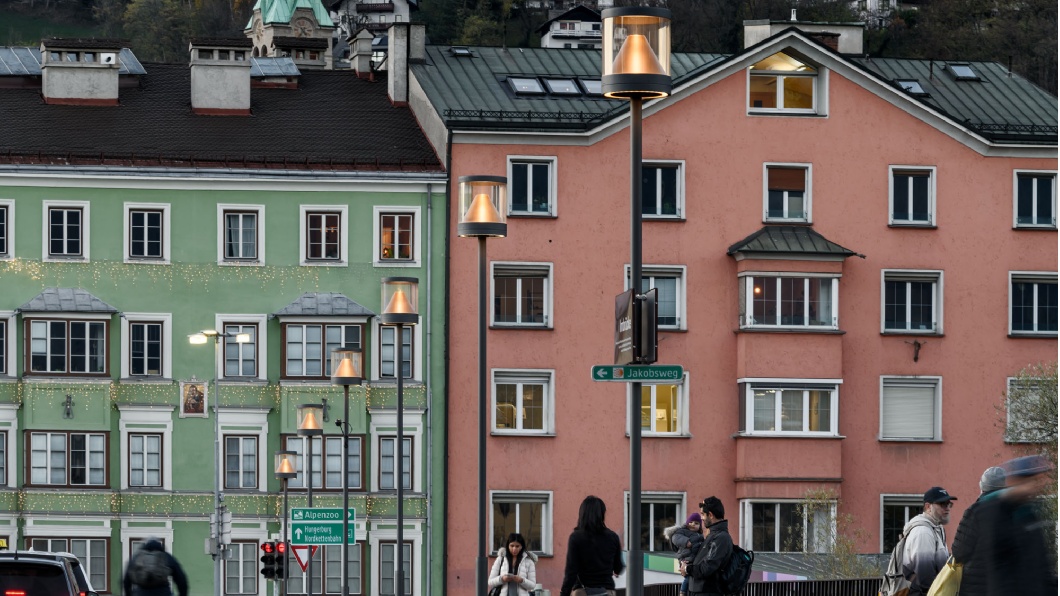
(787, 527)
(962, 72)
(663, 408)
(787, 193)
(562, 87)
(522, 294)
(657, 512)
(241, 462)
(912, 302)
(782, 83)
(241, 568)
(791, 407)
(241, 237)
(7, 228)
(328, 565)
(388, 567)
(5, 350)
(523, 401)
(145, 349)
(1035, 205)
(327, 462)
(323, 235)
(387, 462)
(145, 460)
(528, 513)
(912, 87)
(396, 244)
(241, 359)
(912, 196)
(663, 190)
(1026, 409)
(789, 301)
(388, 352)
(1033, 304)
(526, 86)
(532, 185)
(897, 511)
(308, 347)
(66, 231)
(68, 459)
(71, 347)
(669, 283)
(593, 87)
(910, 408)
(3, 458)
(146, 232)
(91, 552)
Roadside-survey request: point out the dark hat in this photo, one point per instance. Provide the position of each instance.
(937, 494)
(695, 517)
(1028, 465)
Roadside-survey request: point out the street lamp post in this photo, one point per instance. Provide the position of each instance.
(636, 66)
(309, 427)
(218, 496)
(400, 295)
(347, 365)
(483, 214)
(285, 470)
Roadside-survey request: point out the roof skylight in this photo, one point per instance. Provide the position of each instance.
(592, 86)
(913, 87)
(525, 86)
(460, 51)
(963, 72)
(562, 87)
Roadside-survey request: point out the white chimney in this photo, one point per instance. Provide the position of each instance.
(220, 76)
(405, 45)
(361, 53)
(80, 71)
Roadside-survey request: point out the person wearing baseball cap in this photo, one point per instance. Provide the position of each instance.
(966, 549)
(925, 543)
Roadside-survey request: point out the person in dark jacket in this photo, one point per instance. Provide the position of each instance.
(966, 540)
(594, 552)
(1013, 533)
(715, 552)
(686, 539)
(175, 570)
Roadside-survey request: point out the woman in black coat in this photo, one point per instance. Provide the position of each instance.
(594, 553)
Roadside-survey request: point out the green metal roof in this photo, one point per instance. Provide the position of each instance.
(281, 11)
(802, 240)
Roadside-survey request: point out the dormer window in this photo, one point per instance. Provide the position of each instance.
(90, 56)
(782, 83)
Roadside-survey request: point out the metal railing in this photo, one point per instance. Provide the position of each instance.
(836, 587)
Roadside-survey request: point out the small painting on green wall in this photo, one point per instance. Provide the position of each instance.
(193, 399)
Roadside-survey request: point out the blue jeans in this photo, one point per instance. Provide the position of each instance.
(684, 585)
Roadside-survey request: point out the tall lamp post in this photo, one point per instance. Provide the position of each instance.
(483, 214)
(636, 66)
(218, 496)
(286, 468)
(347, 365)
(400, 295)
(309, 427)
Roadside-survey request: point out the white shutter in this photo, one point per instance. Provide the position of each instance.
(908, 411)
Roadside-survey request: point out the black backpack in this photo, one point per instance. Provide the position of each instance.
(150, 569)
(733, 577)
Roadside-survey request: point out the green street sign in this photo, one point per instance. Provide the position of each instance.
(650, 374)
(320, 533)
(320, 514)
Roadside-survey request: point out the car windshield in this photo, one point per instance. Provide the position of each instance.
(26, 579)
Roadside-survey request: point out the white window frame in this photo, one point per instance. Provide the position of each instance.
(166, 319)
(259, 211)
(7, 365)
(678, 272)
(915, 502)
(750, 384)
(9, 229)
(807, 199)
(237, 421)
(1012, 436)
(260, 341)
(67, 319)
(1015, 198)
(913, 275)
(376, 353)
(248, 584)
(135, 420)
(508, 376)
(544, 498)
(529, 269)
(384, 425)
(553, 184)
(820, 88)
(297, 444)
(86, 228)
(747, 295)
(9, 425)
(224, 457)
(164, 208)
(679, 200)
(398, 468)
(932, 382)
(653, 498)
(683, 391)
(323, 323)
(932, 220)
(68, 459)
(747, 525)
(377, 234)
(344, 234)
(84, 529)
(1037, 278)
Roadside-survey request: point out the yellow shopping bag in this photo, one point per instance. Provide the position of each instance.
(948, 581)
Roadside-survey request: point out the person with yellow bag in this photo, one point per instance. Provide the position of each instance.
(948, 581)
(966, 546)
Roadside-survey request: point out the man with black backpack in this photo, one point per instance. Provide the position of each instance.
(149, 571)
(713, 557)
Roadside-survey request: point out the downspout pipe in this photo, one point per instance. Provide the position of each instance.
(447, 393)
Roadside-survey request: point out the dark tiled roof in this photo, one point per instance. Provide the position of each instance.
(324, 304)
(789, 240)
(224, 42)
(300, 42)
(334, 120)
(75, 43)
(66, 300)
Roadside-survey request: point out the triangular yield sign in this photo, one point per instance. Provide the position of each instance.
(302, 556)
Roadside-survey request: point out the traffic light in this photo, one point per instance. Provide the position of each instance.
(268, 560)
(281, 560)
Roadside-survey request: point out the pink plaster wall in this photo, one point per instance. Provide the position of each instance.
(724, 150)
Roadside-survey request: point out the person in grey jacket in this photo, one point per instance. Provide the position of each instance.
(715, 552)
(966, 549)
(176, 572)
(925, 543)
(686, 539)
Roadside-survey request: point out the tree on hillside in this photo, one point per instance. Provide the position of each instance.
(829, 537)
(159, 29)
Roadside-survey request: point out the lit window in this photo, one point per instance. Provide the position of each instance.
(662, 409)
(396, 242)
(789, 301)
(782, 83)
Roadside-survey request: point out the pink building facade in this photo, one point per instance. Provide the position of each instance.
(848, 274)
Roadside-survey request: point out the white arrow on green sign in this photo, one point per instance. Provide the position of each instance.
(652, 374)
(320, 533)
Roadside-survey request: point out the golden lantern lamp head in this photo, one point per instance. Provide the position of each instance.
(636, 53)
(285, 464)
(483, 202)
(309, 416)
(347, 365)
(400, 297)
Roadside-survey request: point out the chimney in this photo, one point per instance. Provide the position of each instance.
(405, 45)
(845, 38)
(361, 53)
(220, 76)
(80, 71)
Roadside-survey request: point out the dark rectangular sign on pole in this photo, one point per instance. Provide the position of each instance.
(624, 318)
(645, 339)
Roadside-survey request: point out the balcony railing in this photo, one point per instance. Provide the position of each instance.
(582, 33)
(363, 7)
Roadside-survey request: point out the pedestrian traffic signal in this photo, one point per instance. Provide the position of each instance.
(268, 560)
(281, 560)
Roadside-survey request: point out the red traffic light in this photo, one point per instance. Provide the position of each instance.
(269, 547)
(281, 547)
